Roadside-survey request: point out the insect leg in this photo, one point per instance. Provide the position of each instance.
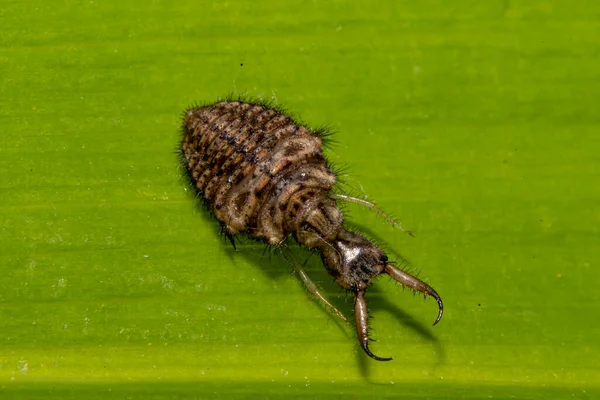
(229, 236)
(311, 286)
(372, 207)
(416, 284)
(361, 317)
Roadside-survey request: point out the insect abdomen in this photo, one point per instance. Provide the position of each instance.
(255, 167)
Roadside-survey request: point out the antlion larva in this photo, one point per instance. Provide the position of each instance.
(265, 175)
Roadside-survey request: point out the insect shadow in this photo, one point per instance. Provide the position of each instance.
(270, 261)
(273, 264)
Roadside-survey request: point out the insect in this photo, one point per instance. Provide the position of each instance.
(263, 174)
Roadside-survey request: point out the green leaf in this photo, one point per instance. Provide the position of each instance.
(475, 123)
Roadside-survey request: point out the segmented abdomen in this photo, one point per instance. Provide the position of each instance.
(256, 168)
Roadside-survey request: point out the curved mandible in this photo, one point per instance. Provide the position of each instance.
(362, 324)
(414, 283)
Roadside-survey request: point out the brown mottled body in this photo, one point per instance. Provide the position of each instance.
(264, 175)
(258, 171)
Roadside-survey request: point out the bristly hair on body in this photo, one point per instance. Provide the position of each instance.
(262, 173)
